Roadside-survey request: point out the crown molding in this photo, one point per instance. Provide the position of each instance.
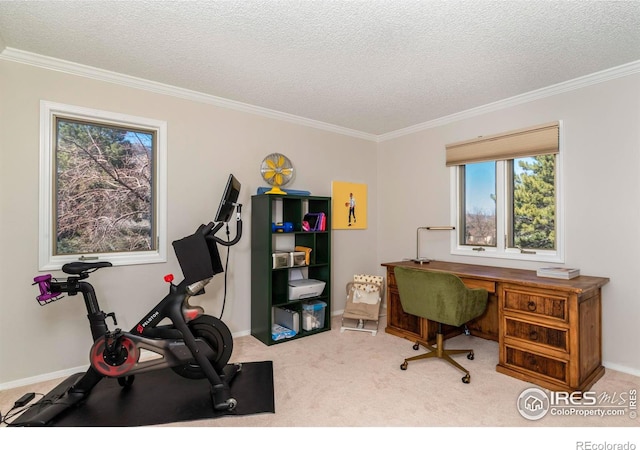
(59, 65)
(571, 85)
(46, 62)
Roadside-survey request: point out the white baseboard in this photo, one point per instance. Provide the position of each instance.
(42, 378)
(621, 368)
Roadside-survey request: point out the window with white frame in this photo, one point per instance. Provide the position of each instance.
(103, 187)
(506, 195)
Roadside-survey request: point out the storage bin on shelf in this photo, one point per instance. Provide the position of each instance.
(313, 313)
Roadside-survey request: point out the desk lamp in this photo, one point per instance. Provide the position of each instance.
(418, 259)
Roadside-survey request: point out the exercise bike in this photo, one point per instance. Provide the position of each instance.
(176, 334)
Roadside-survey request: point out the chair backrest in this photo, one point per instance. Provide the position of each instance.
(439, 296)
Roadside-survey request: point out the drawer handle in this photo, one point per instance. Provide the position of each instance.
(531, 306)
(533, 335)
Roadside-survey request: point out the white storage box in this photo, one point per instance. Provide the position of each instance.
(289, 258)
(297, 259)
(305, 288)
(280, 259)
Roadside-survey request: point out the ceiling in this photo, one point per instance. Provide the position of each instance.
(373, 66)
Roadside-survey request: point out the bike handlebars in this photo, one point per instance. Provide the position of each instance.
(212, 228)
(81, 269)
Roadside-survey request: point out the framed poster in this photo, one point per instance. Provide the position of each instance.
(349, 209)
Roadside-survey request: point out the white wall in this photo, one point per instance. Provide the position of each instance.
(601, 157)
(408, 186)
(205, 144)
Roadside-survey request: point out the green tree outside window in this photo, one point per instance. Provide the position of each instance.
(534, 202)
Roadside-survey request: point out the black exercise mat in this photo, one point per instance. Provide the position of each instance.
(162, 396)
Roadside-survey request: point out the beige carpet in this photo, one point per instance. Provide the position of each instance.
(353, 379)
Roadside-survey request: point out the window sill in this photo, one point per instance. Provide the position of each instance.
(129, 259)
(510, 255)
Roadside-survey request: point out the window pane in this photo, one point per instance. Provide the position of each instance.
(104, 192)
(534, 202)
(479, 204)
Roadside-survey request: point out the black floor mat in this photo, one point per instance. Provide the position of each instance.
(162, 396)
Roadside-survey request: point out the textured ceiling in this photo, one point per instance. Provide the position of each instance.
(371, 66)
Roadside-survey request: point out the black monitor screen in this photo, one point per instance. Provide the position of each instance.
(229, 199)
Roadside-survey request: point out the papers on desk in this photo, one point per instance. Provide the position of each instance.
(563, 273)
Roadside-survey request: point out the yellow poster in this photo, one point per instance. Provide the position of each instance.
(349, 210)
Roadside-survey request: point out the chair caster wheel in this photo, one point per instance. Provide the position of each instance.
(466, 379)
(470, 355)
(404, 365)
(416, 346)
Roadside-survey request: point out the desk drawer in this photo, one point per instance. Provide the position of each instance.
(537, 364)
(541, 304)
(537, 334)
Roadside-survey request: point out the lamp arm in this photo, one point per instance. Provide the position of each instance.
(436, 228)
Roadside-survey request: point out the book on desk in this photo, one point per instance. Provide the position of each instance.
(563, 273)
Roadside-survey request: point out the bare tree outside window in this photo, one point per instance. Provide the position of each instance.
(479, 204)
(104, 187)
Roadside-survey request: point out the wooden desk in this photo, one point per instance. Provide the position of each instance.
(548, 330)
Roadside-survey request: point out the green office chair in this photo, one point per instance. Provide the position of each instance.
(442, 298)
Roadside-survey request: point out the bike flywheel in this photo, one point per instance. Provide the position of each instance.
(117, 362)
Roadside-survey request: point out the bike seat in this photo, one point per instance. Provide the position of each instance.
(76, 268)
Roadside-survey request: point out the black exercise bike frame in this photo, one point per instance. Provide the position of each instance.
(176, 342)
